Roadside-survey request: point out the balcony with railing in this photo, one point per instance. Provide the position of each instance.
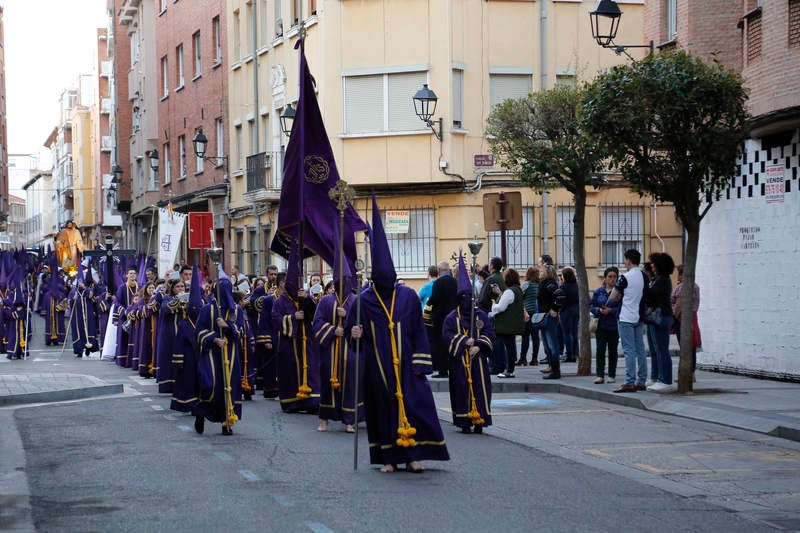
(263, 179)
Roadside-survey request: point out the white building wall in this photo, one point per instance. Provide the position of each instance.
(747, 268)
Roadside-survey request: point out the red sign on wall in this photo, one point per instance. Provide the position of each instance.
(200, 227)
(482, 160)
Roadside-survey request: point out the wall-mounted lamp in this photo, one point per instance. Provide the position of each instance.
(425, 106)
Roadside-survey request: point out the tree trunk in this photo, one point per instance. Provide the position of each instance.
(685, 374)
(585, 356)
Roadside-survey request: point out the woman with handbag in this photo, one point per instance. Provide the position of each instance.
(607, 333)
(658, 317)
(509, 321)
(548, 305)
(530, 335)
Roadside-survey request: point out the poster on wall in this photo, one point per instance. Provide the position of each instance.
(774, 187)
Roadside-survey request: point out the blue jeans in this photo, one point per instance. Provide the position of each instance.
(551, 340)
(630, 334)
(498, 360)
(569, 327)
(530, 336)
(659, 334)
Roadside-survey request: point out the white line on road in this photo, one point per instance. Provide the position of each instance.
(316, 527)
(222, 456)
(249, 476)
(157, 408)
(171, 418)
(281, 500)
(185, 428)
(147, 399)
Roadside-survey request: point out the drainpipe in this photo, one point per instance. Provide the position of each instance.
(655, 227)
(543, 87)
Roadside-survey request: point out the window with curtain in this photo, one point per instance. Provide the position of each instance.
(198, 67)
(505, 86)
(182, 156)
(167, 169)
(382, 102)
(458, 98)
(414, 251)
(164, 76)
(179, 61)
(620, 229)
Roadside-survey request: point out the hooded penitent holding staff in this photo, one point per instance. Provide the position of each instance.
(469, 335)
(402, 424)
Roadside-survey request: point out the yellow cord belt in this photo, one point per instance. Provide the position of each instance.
(405, 432)
(473, 414)
(303, 391)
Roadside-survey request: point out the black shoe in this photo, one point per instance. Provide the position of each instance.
(552, 375)
(466, 429)
(199, 424)
(79, 355)
(248, 396)
(227, 431)
(478, 429)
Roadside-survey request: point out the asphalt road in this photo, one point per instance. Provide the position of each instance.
(129, 464)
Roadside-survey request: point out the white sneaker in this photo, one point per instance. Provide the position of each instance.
(650, 382)
(666, 389)
(611, 380)
(656, 387)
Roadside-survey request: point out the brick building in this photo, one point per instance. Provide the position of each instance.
(749, 310)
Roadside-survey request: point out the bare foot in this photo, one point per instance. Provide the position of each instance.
(349, 428)
(323, 425)
(415, 467)
(386, 469)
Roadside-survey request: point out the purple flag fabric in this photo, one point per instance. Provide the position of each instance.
(309, 173)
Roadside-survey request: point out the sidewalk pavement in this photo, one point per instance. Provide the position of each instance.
(759, 405)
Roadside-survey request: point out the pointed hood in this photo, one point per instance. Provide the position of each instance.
(464, 287)
(3, 275)
(294, 273)
(19, 294)
(384, 275)
(195, 294)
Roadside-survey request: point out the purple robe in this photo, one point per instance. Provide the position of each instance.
(4, 293)
(146, 333)
(266, 348)
(102, 307)
(16, 319)
(83, 322)
(185, 353)
(54, 328)
(124, 301)
(337, 403)
(212, 402)
(456, 332)
(381, 388)
(169, 316)
(298, 355)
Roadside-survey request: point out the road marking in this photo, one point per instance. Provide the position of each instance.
(522, 402)
(559, 412)
(316, 527)
(171, 418)
(185, 428)
(147, 399)
(281, 500)
(249, 476)
(222, 456)
(157, 408)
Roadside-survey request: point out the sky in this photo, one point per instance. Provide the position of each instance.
(48, 43)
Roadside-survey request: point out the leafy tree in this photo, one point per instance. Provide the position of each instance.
(542, 140)
(674, 126)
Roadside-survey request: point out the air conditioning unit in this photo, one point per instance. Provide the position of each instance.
(219, 221)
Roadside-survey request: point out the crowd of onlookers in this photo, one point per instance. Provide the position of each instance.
(544, 310)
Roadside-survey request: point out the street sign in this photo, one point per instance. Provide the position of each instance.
(397, 221)
(482, 160)
(496, 212)
(201, 225)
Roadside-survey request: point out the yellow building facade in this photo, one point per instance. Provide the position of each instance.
(368, 60)
(83, 165)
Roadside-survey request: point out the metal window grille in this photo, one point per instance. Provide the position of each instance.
(620, 229)
(519, 243)
(565, 235)
(414, 251)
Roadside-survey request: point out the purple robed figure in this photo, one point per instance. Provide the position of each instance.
(124, 297)
(146, 333)
(16, 316)
(255, 360)
(470, 382)
(298, 349)
(54, 308)
(402, 424)
(170, 314)
(211, 364)
(337, 361)
(102, 307)
(184, 350)
(266, 340)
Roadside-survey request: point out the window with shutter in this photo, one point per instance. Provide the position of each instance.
(505, 86)
(458, 98)
(363, 104)
(621, 229)
(401, 103)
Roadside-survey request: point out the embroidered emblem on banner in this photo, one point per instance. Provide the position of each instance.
(316, 169)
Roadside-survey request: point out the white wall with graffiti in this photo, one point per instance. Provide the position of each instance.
(749, 267)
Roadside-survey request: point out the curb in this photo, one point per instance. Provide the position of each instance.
(60, 395)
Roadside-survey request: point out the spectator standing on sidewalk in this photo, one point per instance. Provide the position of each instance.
(444, 298)
(569, 313)
(509, 319)
(607, 334)
(675, 301)
(547, 304)
(485, 302)
(530, 334)
(425, 290)
(630, 287)
(657, 295)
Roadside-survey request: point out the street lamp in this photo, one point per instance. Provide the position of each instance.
(425, 106)
(287, 119)
(116, 179)
(605, 19)
(152, 155)
(200, 141)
